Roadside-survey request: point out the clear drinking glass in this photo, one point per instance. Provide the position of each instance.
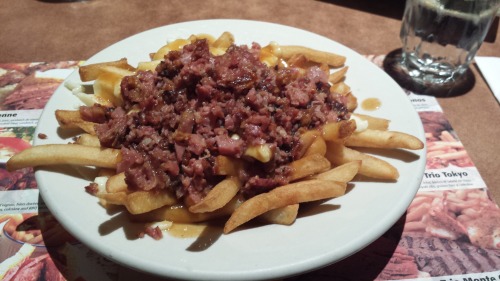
(441, 37)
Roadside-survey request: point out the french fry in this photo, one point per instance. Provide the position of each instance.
(92, 71)
(139, 202)
(181, 214)
(202, 36)
(340, 88)
(116, 198)
(306, 140)
(87, 127)
(325, 67)
(331, 59)
(302, 63)
(107, 90)
(383, 139)
(351, 102)
(338, 75)
(116, 183)
(225, 40)
(318, 146)
(148, 65)
(282, 196)
(66, 118)
(339, 130)
(299, 61)
(72, 154)
(343, 173)
(284, 215)
(309, 165)
(227, 166)
(118, 71)
(219, 196)
(171, 46)
(71, 119)
(88, 140)
(374, 123)
(268, 55)
(178, 44)
(371, 166)
(261, 152)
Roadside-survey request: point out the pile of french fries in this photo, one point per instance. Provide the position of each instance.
(328, 160)
(447, 150)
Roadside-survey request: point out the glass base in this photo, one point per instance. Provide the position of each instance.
(427, 71)
(427, 84)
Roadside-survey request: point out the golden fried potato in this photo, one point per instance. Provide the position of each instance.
(92, 71)
(338, 75)
(371, 166)
(338, 131)
(139, 202)
(284, 215)
(383, 139)
(70, 154)
(219, 196)
(302, 191)
(331, 59)
(71, 119)
(308, 165)
(343, 173)
(374, 123)
(116, 183)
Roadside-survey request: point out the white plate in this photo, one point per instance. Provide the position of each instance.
(263, 252)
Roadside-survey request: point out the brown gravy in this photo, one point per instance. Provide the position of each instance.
(186, 230)
(371, 104)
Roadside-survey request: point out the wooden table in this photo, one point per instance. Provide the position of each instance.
(33, 30)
